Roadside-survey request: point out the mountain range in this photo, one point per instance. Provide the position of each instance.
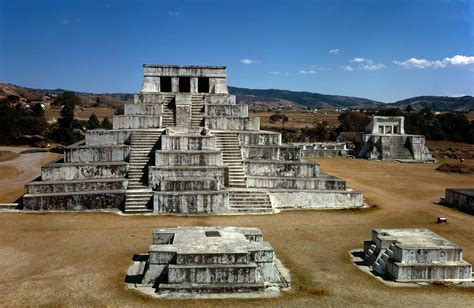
(270, 98)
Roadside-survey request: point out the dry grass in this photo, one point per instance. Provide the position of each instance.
(297, 119)
(82, 258)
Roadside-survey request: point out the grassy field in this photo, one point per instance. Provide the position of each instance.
(297, 119)
(82, 258)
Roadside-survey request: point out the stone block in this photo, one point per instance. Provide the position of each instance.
(188, 184)
(43, 187)
(259, 138)
(212, 274)
(231, 110)
(188, 158)
(271, 152)
(83, 171)
(232, 123)
(188, 142)
(317, 183)
(161, 173)
(87, 153)
(134, 122)
(143, 109)
(103, 137)
(317, 199)
(75, 201)
(191, 202)
(274, 168)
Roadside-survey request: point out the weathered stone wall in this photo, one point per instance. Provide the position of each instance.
(281, 168)
(76, 201)
(191, 202)
(107, 137)
(43, 187)
(96, 153)
(217, 99)
(78, 171)
(318, 183)
(187, 142)
(188, 158)
(143, 109)
(161, 173)
(463, 201)
(226, 110)
(328, 199)
(272, 152)
(259, 138)
(232, 123)
(132, 122)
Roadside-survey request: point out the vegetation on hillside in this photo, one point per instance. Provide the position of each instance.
(17, 121)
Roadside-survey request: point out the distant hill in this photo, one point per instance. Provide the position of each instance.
(464, 103)
(301, 99)
(271, 98)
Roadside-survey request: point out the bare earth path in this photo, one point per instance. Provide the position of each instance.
(20, 170)
(82, 258)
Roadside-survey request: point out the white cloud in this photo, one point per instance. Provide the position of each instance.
(372, 66)
(346, 68)
(360, 60)
(367, 64)
(249, 61)
(307, 72)
(457, 60)
(334, 51)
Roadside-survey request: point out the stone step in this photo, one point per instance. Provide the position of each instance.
(211, 288)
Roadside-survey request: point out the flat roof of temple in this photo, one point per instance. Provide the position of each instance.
(464, 191)
(183, 66)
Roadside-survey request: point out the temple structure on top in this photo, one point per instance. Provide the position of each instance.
(385, 139)
(184, 146)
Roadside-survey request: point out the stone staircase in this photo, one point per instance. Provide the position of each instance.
(399, 151)
(142, 155)
(229, 145)
(197, 109)
(168, 111)
(380, 264)
(138, 201)
(241, 201)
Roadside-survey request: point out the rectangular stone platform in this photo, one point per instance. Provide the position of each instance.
(271, 152)
(96, 153)
(315, 199)
(41, 187)
(281, 168)
(75, 201)
(317, 183)
(79, 171)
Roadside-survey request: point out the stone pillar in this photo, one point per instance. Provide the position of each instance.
(174, 84)
(402, 126)
(183, 109)
(151, 85)
(194, 85)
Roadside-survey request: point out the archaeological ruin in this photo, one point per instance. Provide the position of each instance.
(184, 146)
(207, 260)
(385, 139)
(460, 198)
(415, 255)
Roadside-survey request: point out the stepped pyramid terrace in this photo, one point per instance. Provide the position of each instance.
(415, 255)
(385, 139)
(207, 260)
(184, 146)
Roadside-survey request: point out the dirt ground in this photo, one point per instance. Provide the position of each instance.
(297, 119)
(82, 258)
(20, 169)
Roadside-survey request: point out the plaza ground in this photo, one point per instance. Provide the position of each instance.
(82, 258)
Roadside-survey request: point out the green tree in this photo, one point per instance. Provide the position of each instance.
(106, 123)
(409, 108)
(93, 122)
(38, 111)
(353, 122)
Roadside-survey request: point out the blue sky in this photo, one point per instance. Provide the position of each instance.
(382, 50)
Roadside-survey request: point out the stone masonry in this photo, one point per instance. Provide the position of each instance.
(385, 139)
(208, 260)
(185, 147)
(415, 255)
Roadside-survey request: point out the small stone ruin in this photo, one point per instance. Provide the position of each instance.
(207, 260)
(385, 139)
(415, 255)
